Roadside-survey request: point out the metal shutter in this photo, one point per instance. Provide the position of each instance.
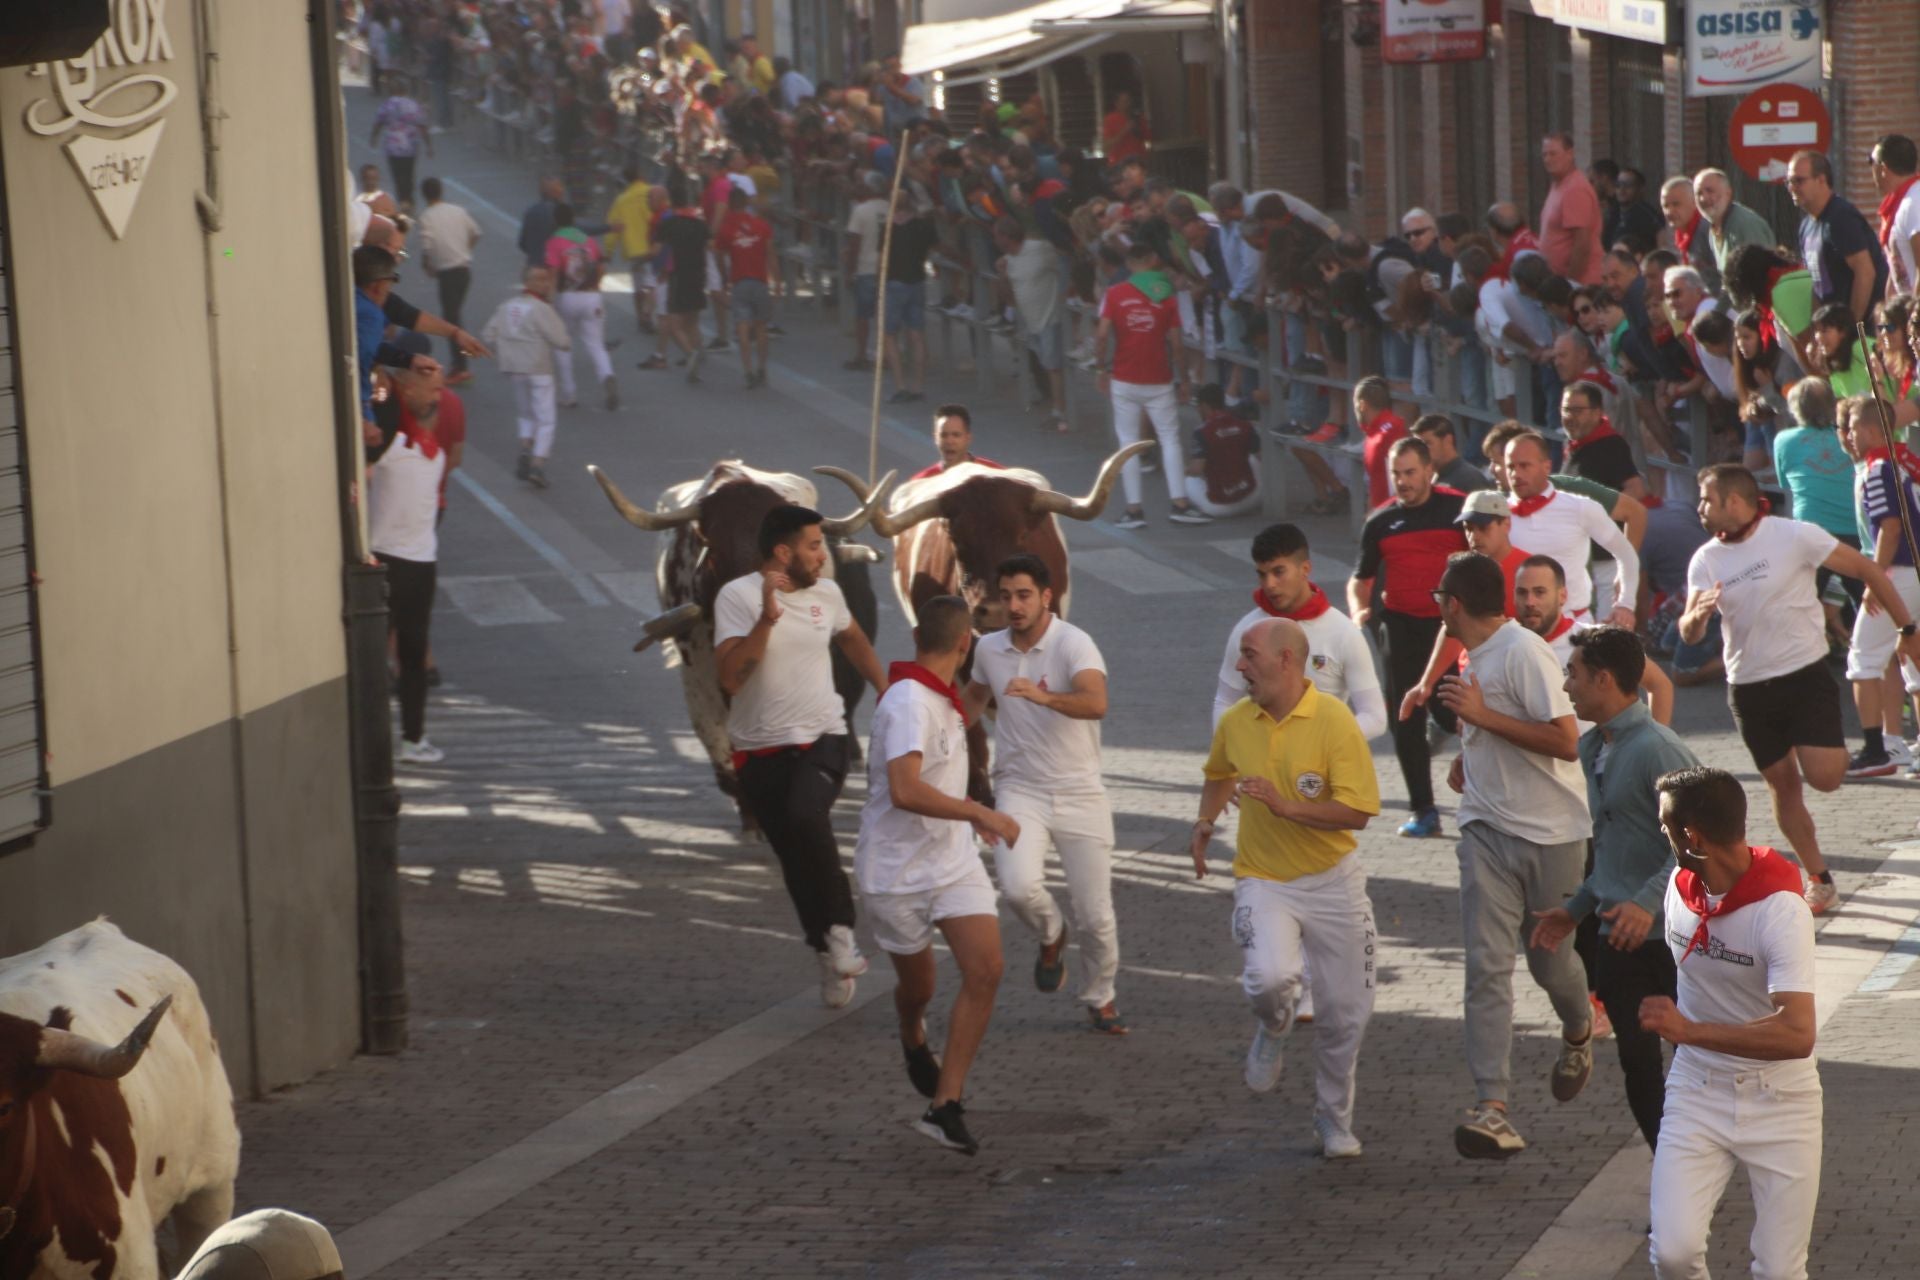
(24, 807)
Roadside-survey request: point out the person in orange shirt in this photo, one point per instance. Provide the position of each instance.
(1570, 219)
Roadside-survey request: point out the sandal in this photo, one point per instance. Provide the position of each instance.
(1108, 1021)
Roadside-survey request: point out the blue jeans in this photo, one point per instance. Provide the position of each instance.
(1306, 403)
(1691, 657)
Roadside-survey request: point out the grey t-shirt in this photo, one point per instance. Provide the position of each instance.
(1464, 476)
(1516, 791)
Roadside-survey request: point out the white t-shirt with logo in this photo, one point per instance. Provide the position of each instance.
(901, 852)
(1763, 948)
(1339, 663)
(1906, 225)
(1035, 748)
(1771, 622)
(790, 701)
(1519, 792)
(1565, 528)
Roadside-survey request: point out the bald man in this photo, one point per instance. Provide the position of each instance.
(1300, 766)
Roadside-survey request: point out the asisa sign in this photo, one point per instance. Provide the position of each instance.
(111, 106)
(1737, 46)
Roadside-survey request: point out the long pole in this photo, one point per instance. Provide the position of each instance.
(880, 315)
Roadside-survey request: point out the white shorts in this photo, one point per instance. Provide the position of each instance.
(1875, 637)
(903, 923)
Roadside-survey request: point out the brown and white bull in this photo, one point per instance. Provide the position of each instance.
(951, 529)
(115, 1111)
(715, 523)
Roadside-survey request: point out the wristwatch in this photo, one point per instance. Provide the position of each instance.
(1910, 629)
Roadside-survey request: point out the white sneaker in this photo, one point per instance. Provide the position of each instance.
(835, 988)
(1264, 1057)
(1336, 1140)
(1820, 897)
(845, 952)
(1303, 1011)
(421, 752)
(1899, 752)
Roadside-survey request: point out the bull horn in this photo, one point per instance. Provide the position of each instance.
(670, 625)
(857, 553)
(1087, 508)
(639, 517)
(847, 526)
(65, 1051)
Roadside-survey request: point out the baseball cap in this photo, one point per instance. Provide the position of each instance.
(1483, 505)
(267, 1244)
(413, 342)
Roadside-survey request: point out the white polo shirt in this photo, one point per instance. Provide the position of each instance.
(1564, 528)
(1339, 663)
(790, 701)
(901, 852)
(403, 501)
(1762, 948)
(1035, 748)
(1906, 225)
(1771, 622)
(1519, 792)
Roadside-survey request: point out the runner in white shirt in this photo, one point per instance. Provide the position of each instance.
(1548, 522)
(771, 634)
(1895, 160)
(1743, 1089)
(1758, 573)
(1050, 685)
(917, 868)
(1540, 605)
(1341, 664)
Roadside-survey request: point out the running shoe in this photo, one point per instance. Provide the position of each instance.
(1131, 518)
(1150, 463)
(922, 1067)
(433, 677)
(612, 390)
(693, 365)
(523, 468)
(1487, 1134)
(845, 952)
(836, 989)
(1573, 1068)
(1049, 975)
(1303, 1011)
(537, 476)
(1868, 763)
(421, 752)
(1336, 1140)
(719, 343)
(1821, 896)
(1899, 752)
(1189, 514)
(1264, 1057)
(1602, 1024)
(945, 1125)
(1424, 825)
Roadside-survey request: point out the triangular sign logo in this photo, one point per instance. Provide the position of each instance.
(113, 170)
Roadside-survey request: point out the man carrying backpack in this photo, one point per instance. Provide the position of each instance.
(575, 259)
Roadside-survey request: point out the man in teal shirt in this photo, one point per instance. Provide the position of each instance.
(1622, 755)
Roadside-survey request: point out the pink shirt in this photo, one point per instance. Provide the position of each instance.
(1570, 216)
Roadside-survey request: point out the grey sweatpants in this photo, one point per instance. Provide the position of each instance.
(1503, 881)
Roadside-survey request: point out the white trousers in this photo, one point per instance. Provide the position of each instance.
(1196, 487)
(1133, 404)
(1767, 1120)
(1080, 828)
(1328, 919)
(533, 402)
(586, 319)
(1875, 638)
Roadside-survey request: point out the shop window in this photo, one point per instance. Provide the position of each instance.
(24, 807)
(1076, 112)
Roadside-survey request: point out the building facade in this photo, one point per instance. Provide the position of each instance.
(174, 633)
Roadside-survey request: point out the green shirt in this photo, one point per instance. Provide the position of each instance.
(1632, 860)
(1793, 301)
(1743, 226)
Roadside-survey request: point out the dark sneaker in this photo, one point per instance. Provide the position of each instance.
(537, 477)
(1150, 463)
(1189, 515)
(1573, 1068)
(718, 344)
(1487, 1134)
(1131, 518)
(523, 468)
(1871, 764)
(1048, 975)
(945, 1126)
(655, 361)
(922, 1068)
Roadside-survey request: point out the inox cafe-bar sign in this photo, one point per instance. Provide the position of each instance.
(109, 108)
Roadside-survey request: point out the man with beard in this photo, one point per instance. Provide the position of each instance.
(1050, 684)
(1539, 605)
(1549, 522)
(788, 725)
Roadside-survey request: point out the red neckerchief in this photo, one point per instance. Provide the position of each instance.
(1527, 506)
(1769, 874)
(1600, 378)
(1683, 236)
(1763, 307)
(1560, 628)
(425, 441)
(1604, 431)
(920, 675)
(1316, 604)
(1523, 240)
(1740, 534)
(1890, 205)
(1899, 454)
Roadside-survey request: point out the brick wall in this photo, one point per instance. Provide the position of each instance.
(1283, 91)
(1875, 86)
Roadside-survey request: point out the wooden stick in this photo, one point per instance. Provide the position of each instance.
(880, 313)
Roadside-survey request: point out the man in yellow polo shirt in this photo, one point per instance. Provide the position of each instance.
(1305, 779)
(631, 217)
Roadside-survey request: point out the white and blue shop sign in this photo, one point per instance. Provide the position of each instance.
(1737, 46)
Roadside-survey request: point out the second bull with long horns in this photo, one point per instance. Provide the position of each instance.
(714, 523)
(951, 529)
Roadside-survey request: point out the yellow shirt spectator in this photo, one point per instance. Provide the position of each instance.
(631, 211)
(1316, 754)
(762, 76)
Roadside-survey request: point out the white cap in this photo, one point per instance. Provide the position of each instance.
(267, 1244)
(1483, 504)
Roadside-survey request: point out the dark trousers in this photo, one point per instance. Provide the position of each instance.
(409, 612)
(1409, 645)
(1626, 978)
(402, 167)
(453, 283)
(791, 796)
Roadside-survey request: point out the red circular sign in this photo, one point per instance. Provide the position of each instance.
(1771, 124)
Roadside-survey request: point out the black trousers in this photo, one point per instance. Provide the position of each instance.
(1409, 645)
(453, 283)
(402, 167)
(1625, 978)
(791, 796)
(409, 613)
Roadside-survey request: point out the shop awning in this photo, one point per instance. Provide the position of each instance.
(1026, 38)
